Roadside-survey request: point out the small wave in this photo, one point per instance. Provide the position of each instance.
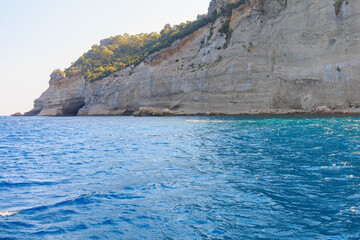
(355, 210)
(335, 167)
(24, 184)
(204, 121)
(79, 200)
(83, 199)
(352, 210)
(6, 213)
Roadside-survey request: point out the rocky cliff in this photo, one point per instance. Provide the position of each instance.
(278, 56)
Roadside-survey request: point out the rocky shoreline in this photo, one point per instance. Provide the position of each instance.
(149, 111)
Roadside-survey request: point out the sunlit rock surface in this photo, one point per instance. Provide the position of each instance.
(282, 57)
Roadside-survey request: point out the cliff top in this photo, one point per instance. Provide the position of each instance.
(117, 53)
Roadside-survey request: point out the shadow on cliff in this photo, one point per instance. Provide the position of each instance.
(72, 108)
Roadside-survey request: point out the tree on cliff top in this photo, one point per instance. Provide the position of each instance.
(116, 53)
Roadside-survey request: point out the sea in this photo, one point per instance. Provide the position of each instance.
(180, 177)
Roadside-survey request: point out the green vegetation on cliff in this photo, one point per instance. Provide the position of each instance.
(338, 4)
(119, 52)
(116, 53)
(227, 9)
(113, 54)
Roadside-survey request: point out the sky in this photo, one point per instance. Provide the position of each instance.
(39, 36)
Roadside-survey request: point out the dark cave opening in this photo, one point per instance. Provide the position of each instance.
(73, 107)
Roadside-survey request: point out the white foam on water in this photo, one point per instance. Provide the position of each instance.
(6, 213)
(355, 210)
(204, 121)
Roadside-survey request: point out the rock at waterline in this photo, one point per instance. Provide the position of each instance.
(17, 114)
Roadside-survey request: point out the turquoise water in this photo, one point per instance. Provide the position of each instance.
(179, 178)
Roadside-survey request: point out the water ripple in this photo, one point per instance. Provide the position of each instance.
(179, 178)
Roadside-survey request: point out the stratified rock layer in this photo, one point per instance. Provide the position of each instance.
(282, 57)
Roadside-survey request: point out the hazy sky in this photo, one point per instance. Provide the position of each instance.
(38, 36)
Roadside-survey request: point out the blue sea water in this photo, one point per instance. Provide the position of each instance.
(179, 178)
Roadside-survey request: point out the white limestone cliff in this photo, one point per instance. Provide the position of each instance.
(282, 57)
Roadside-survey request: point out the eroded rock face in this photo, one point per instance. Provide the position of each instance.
(17, 114)
(212, 7)
(283, 57)
(64, 97)
(149, 111)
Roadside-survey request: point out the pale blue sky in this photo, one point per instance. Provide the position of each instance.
(38, 36)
